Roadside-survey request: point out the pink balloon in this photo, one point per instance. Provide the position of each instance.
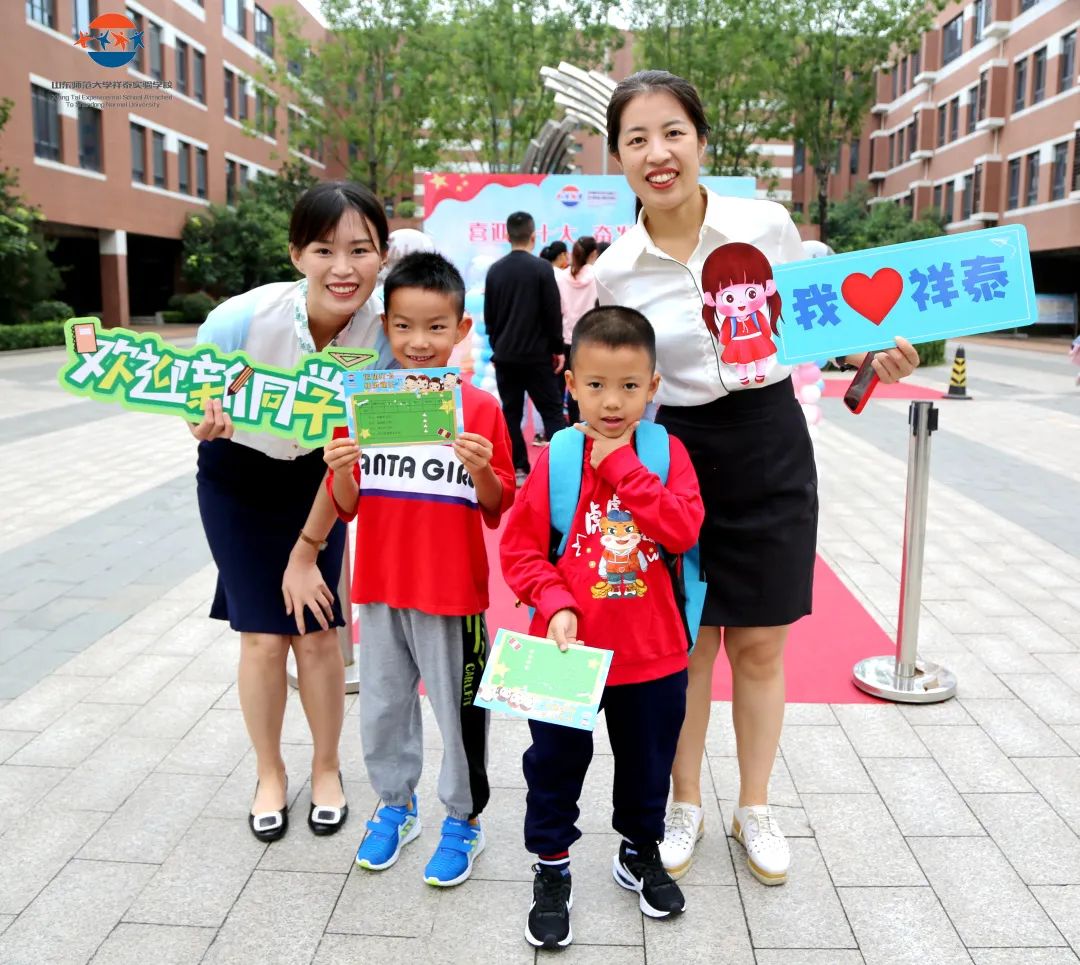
(812, 414)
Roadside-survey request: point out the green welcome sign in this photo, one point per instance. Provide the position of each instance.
(144, 373)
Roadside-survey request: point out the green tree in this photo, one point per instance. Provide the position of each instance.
(492, 54)
(830, 50)
(852, 224)
(369, 90)
(230, 249)
(26, 273)
(723, 48)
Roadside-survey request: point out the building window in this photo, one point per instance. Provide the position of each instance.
(241, 98)
(82, 12)
(976, 189)
(952, 39)
(853, 158)
(942, 119)
(1014, 184)
(977, 21)
(972, 108)
(980, 97)
(181, 66)
(892, 150)
(155, 51)
(912, 138)
(966, 197)
(1020, 85)
(138, 153)
(198, 75)
(916, 65)
(1076, 162)
(1027, 4)
(265, 112)
(42, 12)
(89, 138)
(895, 83)
(1038, 75)
(140, 52)
(158, 144)
(264, 31)
(799, 163)
(950, 200)
(1067, 61)
(954, 119)
(233, 11)
(1057, 181)
(183, 167)
(200, 172)
(230, 93)
(230, 182)
(46, 107)
(1031, 189)
(903, 74)
(937, 197)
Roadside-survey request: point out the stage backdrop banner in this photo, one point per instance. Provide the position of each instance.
(466, 214)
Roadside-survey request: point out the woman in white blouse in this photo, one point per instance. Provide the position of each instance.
(261, 498)
(746, 437)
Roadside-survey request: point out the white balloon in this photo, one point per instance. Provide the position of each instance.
(810, 394)
(488, 382)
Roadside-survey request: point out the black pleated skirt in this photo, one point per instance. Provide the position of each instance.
(253, 508)
(755, 462)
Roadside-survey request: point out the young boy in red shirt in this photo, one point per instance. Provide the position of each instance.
(422, 609)
(609, 589)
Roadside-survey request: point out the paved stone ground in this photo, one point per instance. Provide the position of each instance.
(936, 834)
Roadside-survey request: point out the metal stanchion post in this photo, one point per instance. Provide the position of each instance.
(345, 633)
(904, 677)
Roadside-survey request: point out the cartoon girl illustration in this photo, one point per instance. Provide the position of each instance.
(738, 285)
(423, 383)
(435, 385)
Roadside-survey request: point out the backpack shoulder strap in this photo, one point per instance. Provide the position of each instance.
(566, 454)
(654, 449)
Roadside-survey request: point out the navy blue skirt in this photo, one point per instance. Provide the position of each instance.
(755, 463)
(253, 508)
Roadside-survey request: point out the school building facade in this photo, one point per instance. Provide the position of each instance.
(982, 123)
(117, 155)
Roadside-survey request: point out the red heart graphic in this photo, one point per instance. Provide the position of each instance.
(873, 298)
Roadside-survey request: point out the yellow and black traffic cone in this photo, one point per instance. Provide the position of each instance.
(958, 379)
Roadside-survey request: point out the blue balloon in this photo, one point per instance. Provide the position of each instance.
(822, 363)
(820, 383)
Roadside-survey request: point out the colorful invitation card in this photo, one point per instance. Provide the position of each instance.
(404, 407)
(530, 677)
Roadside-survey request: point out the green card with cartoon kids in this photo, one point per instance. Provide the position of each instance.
(404, 407)
(530, 677)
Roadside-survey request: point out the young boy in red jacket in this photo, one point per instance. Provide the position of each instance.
(609, 589)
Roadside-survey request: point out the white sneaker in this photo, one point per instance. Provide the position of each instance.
(767, 854)
(683, 829)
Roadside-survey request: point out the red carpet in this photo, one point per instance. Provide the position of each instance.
(836, 387)
(820, 653)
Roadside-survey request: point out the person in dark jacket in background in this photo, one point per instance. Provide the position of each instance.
(523, 315)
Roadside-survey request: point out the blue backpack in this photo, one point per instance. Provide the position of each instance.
(567, 455)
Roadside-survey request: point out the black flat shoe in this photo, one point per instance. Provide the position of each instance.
(269, 826)
(323, 819)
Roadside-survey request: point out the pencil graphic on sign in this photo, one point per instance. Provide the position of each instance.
(241, 379)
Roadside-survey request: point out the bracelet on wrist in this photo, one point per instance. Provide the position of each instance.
(320, 545)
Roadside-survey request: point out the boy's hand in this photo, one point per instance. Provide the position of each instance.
(603, 446)
(215, 424)
(474, 451)
(562, 628)
(341, 454)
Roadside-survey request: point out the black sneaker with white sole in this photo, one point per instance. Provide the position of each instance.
(549, 916)
(641, 870)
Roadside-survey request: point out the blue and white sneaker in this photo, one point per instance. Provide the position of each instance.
(392, 829)
(453, 859)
